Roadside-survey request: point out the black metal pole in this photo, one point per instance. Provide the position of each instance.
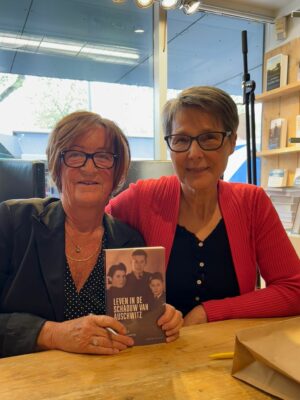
(253, 136)
(249, 99)
(246, 78)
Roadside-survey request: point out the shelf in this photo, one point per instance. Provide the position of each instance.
(280, 92)
(284, 150)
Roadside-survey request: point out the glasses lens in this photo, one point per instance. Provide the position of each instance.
(74, 158)
(179, 142)
(211, 140)
(104, 160)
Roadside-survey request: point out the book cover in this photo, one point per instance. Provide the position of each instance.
(297, 178)
(135, 291)
(277, 177)
(285, 208)
(277, 133)
(296, 139)
(289, 192)
(276, 71)
(296, 224)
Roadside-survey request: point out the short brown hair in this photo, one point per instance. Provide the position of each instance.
(75, 124)
(208, 99)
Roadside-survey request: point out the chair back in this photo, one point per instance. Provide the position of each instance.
(21, 179)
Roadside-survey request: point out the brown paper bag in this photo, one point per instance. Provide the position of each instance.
(268, 357)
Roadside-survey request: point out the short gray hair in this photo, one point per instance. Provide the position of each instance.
(206, 98)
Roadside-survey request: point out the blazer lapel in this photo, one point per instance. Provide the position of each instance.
(50, 241)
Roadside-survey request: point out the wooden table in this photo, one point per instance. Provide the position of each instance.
(178, 371)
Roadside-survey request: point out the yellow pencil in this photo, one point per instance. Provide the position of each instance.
(221, 356)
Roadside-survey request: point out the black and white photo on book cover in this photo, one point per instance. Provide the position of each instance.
(135, 291)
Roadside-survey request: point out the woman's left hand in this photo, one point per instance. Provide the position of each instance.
(171, 321)
(196, 316)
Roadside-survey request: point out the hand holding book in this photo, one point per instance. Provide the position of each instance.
(135, 294)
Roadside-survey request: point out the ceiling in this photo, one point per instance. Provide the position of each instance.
(204, 48)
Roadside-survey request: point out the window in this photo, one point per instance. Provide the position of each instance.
(206, 49)
(75, 54)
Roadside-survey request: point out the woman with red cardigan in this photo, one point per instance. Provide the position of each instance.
(217, 235)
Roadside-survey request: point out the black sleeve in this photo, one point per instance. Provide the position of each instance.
(18, 332)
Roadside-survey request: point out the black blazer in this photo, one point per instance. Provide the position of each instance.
(32, 265)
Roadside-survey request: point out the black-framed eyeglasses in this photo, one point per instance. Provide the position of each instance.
(207, 141)
(77, 159)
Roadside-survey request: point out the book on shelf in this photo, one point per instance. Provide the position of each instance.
(277, 177)
(297, 134)
(296, 224)
(297, 178)
(284, 208)
(294, 140)
(135, 291)
(277, 133)
(276, 71)
(287, 195)
(286, 201)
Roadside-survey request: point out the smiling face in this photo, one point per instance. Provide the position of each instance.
(118, 279)
(87, 186)
(198, 169)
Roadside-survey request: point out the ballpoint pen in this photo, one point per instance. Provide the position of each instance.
(110, 330)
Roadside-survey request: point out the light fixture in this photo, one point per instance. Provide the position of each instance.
(190, 6)
(170, 4)
(144, 3)
(97, 52)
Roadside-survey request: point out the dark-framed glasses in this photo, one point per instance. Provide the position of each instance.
(207, 141)
(77, 159)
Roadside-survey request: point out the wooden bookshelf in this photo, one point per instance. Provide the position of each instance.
(283, 150)
(283, 102)
(280, 92)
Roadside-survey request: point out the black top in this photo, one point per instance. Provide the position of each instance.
(32, 268)
(200, 271)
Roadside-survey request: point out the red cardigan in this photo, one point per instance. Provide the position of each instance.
(256, 236)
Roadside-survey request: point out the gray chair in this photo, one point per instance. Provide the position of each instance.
(143, 169)
(20, 179)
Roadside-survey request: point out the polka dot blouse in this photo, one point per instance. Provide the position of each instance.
(91, 297)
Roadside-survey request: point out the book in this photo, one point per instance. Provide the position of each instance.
(295, 140)
(285, 208)
(135, 291)
(289, 191)
(277, 177)
(276, 71)
(296, 224)
(284, 199)
(277, 133)
(297, 177)
(297, 133)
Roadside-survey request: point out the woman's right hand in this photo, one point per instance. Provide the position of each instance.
(85, 335)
